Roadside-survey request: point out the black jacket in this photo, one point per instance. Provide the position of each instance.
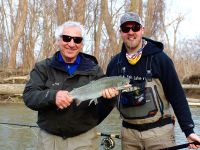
(162, 68)
(49, 76)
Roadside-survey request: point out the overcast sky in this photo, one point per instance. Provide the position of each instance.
(190, 26)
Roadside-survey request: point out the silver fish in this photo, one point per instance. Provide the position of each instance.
(92, 90)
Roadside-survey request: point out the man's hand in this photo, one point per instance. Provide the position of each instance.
(110, 93)
(63, 99)
(191, 138)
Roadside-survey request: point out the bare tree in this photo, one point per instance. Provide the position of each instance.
(3, 53)
(68, 9)
(178, 21)
(60, 12)
(31, 34)
(47, 46)
(27, 29)
(113, 46)
(18, 31)
(136, 6)
(189, 56)
(154, 18)
(98, 23)
(174, 24)
(79, 11)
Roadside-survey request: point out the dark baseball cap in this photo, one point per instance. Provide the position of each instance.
(130, 17)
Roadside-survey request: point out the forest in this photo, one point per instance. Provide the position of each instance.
(27, 32)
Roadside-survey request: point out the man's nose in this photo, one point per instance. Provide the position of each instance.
(71, 43)
(131, 31)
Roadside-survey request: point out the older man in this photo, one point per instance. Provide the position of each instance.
(63, 124)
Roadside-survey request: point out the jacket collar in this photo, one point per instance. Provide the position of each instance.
(87, 63)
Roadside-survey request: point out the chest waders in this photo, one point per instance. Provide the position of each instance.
(154, 109)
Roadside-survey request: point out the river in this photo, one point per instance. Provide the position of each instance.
(24, 138)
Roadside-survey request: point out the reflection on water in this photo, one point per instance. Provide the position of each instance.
(24, 138)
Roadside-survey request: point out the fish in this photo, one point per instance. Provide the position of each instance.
(93, 89)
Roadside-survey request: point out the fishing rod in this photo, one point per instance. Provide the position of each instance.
(181, 146)
(22, 125)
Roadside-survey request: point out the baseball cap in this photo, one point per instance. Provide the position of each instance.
(130, 17)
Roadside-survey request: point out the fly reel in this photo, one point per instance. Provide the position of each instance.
(108, 143)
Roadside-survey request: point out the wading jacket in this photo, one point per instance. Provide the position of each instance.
(162, 69)
(49, 76)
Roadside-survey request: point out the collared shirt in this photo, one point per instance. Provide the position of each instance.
(70, 67)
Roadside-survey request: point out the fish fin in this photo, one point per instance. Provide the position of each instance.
(78, 102)
(93, 100)
(90, 102)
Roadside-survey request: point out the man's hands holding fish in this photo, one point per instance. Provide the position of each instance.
(64, 99)
(110, 93)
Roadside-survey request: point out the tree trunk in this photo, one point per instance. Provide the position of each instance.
(98, 23)
(68, 9)
(136, 6)
(18, 31)
(113, 46)
(11, 89)
(191, 86)
(60, 12)
(79, 11)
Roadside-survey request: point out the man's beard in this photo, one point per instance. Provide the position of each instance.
(132, 45)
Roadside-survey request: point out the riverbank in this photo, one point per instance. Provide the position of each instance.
(11, 99)
(17, 99)
(193, 97)
(16, 79)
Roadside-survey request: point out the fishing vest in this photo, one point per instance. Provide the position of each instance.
(156, 105)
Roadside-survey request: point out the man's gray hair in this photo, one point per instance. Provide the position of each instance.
(59, 30)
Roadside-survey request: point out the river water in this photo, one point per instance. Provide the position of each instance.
(14, 137)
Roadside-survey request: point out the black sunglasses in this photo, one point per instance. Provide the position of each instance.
(67, 38)
(134, 28)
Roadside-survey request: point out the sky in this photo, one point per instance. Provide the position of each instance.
(190, 26)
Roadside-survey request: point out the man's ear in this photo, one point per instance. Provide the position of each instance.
(120, 31)
(142, 30)
(57, 42)
(82, 45)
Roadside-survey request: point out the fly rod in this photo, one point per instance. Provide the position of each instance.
(181, 146)
(22, 125)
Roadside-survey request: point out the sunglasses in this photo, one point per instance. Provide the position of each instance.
(67, 38)
(134, 28)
